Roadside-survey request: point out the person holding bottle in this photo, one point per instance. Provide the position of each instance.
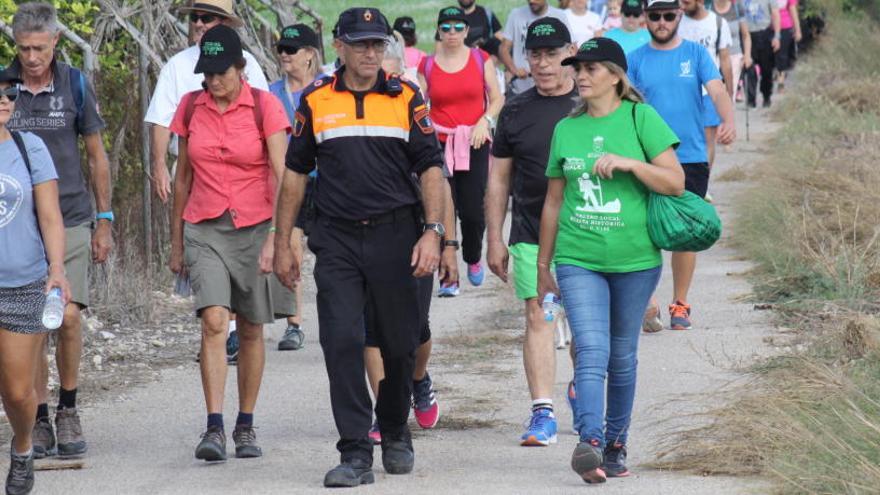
(32, 249)
(605, 160)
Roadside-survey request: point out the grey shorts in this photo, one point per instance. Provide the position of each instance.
(283, 299)
(21, 308)
(77, 259)
(223, 265)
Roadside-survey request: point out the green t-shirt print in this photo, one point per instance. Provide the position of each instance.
(603, 222)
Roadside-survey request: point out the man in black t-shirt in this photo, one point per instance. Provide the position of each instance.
(521, 148)
(484, 27)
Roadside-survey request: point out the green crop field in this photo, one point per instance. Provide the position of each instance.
(424, 12)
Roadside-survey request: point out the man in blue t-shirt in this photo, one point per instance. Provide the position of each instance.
(630, 35)
(671, 73)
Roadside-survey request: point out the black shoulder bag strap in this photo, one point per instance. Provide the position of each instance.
(19, 143)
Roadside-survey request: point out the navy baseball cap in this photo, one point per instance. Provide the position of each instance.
(6, 75)
(633, 7)
(599, 50)
(219, 48)
(361, 24)
(405, 25)
(547, 32)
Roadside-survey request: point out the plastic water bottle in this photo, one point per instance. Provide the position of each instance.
(551, 306)
(53, 312)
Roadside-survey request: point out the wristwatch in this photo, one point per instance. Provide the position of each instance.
(451, 243)
(490, 120)
(105, 215)
(436, 227)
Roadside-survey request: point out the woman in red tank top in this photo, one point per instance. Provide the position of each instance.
(461, 86)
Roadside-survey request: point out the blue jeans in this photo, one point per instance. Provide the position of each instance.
(605, 312)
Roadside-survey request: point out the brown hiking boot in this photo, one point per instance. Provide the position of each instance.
(43, 438)
(70, 437)
(246, 442)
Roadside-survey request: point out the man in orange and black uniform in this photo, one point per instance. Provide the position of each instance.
(370, 134)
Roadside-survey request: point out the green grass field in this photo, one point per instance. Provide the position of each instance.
(424, 12)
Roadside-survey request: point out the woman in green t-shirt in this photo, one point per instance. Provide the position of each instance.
(604, 161)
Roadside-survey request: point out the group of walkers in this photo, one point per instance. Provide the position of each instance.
(382, 160)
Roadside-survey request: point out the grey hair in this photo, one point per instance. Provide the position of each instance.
(395, 49)
(35, 17)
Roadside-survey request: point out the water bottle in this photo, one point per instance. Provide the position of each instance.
(551, 306)
(53, 312)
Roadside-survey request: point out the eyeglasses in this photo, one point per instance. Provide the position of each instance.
(535, 56)
(289, 50)
(458, 26)
(360, 47)
(11, 94)
(206, 19)
(631, 14)
(668, 16)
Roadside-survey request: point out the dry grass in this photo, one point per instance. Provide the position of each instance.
(810, 419)
(736, 173)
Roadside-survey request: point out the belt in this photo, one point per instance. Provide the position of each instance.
(403, 213)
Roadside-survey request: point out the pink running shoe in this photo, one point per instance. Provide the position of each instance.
(425, 407)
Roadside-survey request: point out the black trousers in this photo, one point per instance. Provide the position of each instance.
(762, 56)
(468, 189)
(359, 266)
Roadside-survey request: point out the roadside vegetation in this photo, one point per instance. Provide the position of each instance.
(809, 418)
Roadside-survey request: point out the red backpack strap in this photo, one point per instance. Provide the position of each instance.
(258, 110)
(190, 107)
(429, 67)
(478, 55)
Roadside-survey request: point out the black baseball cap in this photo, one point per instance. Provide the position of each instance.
(405, 25)
(631, 7)
(599, 50)
(361, 24)
(662, 5)
(219, 48)
(298, 36)
(547, 32)
(451, 14)
(6, 75)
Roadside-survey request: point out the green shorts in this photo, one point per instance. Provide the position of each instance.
(525, 269)
(224, 267)
(77, 258)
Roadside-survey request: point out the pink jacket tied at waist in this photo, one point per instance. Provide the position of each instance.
(458, 147)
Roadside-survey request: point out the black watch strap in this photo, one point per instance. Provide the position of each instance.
(451, 243)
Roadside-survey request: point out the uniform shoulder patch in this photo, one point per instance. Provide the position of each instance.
(422, 118)
(299, 123)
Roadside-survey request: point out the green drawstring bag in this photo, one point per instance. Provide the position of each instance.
(683, 223)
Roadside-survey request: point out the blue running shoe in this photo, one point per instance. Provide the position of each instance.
(571, 395)
(476, 274)
(232, 347)
(542, 429)
(448, 290)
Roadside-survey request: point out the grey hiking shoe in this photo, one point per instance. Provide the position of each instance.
(43, 438)
(213, 445)
(70, 436)
(245, 439)
(586, 461)
(293, 338)
(20, 480)
(350, 473)
(397, 454)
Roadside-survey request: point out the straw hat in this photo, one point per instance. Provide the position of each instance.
(220, 7)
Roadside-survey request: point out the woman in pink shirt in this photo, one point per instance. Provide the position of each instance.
(406, 26)
(790, 25)
(232, 139)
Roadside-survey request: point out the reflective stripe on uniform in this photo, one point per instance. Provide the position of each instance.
(362, 131)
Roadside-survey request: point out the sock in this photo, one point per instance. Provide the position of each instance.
(24, 454)
(67, 399)
(422, 380)
(215, 419)
(231, 326)
(42, 411)
(542, 404)
(245, 419)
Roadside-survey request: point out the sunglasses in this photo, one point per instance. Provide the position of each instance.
(668, 16)
(205, 18)
(11, 94)
(289, 50)
(631, 14)
(458, 26)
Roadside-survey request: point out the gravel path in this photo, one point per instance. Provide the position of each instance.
(142, 441)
